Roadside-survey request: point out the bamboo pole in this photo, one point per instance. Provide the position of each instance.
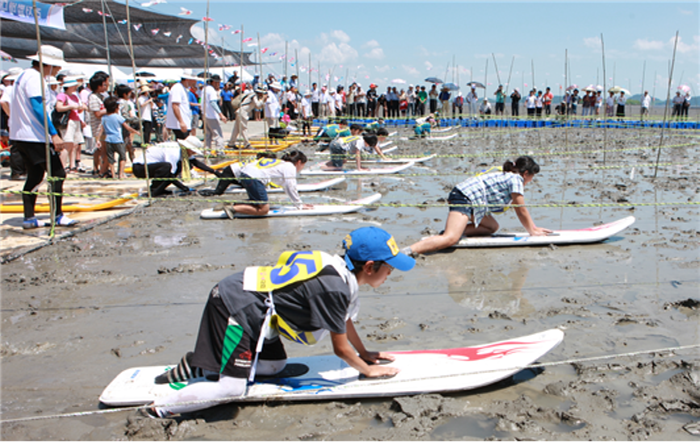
(138, 106)
(668, 99)
(47, 138)
(495, 65)
(265, 129)
(644, 73)
(186, 174)
(109, 58)
(605, 90)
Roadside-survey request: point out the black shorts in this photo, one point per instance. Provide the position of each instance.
(222, 345)
(32, 153)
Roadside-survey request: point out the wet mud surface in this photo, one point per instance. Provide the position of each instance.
(130, 293)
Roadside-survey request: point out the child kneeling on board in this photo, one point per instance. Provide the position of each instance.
(239, 335)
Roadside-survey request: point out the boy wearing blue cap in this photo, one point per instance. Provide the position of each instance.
(305, 296)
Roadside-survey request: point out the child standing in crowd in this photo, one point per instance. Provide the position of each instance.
(112, 125)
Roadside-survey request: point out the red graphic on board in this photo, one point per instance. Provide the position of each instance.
(496, 350)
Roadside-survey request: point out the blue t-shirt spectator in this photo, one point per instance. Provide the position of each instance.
(193, 99)
(112, 125)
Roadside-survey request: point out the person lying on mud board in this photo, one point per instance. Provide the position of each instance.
(329, 132)
(472, 203)
(232, 347)
(354, 145)
(423, 126)
(256, 176)
(164, 163)
(229, 175)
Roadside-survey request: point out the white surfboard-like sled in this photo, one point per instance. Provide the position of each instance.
(330, 378)
(301, 188)
(577, 236)
(317, 210)
(433, 138)
(316, 169)
(398, 160)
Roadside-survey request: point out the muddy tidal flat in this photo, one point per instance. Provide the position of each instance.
(131, 292)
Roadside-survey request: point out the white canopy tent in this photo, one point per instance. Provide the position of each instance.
(123, 74)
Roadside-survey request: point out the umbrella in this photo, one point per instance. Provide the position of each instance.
(590, 89)
(5, 56)
(401, 81)
(572, 87)
(684, 88)
(617, 89)
(476, 84)
(451, 86)
(599, 88)
(433, 80)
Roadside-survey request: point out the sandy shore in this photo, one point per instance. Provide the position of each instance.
(131, 292)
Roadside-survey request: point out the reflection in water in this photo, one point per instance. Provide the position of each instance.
(484, 289)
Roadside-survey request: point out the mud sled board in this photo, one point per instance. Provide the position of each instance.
(318, 210)
(316, 169)
(307, 187)
(578, 236)
(329, 378)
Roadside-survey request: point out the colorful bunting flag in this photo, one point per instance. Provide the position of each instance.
(224, 27)
(178, 38)
(155, 31)
(86, 10)
(138, 26)
(247, 40)
(167, 34)
(207, 19)
(238, 31)
(123, 22)
(190, 42)
(264, 50)
(104, 14)
(184, 11)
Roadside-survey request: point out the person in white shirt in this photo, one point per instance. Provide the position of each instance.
(179, 116)
(255, 177)
(307, 114)
(272, 105)
(165, 164)
(27, 132)
(621, 101)
(598, 102)
(17, 169)
(610, 104)
(146, 106)
(472, 101)
(212, 114)
(315, 99)
(646, 103)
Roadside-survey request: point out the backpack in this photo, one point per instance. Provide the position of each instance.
(60, 119)
(237, 101)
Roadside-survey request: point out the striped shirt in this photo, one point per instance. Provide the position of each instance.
(491, 188)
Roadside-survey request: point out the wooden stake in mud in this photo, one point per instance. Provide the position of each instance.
(566, 108)
(265, 129)
(138, 106)
(644, 72)
(668, 99)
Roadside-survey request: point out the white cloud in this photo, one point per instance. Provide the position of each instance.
(382, 69)
(340, 36)
(337, 53)
(592, 42)
(371, 44)
(376, 53)
(649, 45)
(684, 47)
(411, 70)
(428, 65)
(685, 12)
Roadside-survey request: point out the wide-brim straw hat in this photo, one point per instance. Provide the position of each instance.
(192, 143)
(189, 74)
(50, 55)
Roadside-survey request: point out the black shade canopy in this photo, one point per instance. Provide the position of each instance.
(83, 40)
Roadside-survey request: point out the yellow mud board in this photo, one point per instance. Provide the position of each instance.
(43, 208)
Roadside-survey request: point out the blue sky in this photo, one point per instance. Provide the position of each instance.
(380, 42)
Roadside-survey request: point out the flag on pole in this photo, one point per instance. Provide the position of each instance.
(238, 31)
(247, 40)
(207, 19)
(184, 11)
(264, 50)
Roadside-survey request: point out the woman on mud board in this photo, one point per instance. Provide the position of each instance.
(239, 335)
(471, 204)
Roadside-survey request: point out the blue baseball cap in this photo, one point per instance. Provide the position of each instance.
(375, 244)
